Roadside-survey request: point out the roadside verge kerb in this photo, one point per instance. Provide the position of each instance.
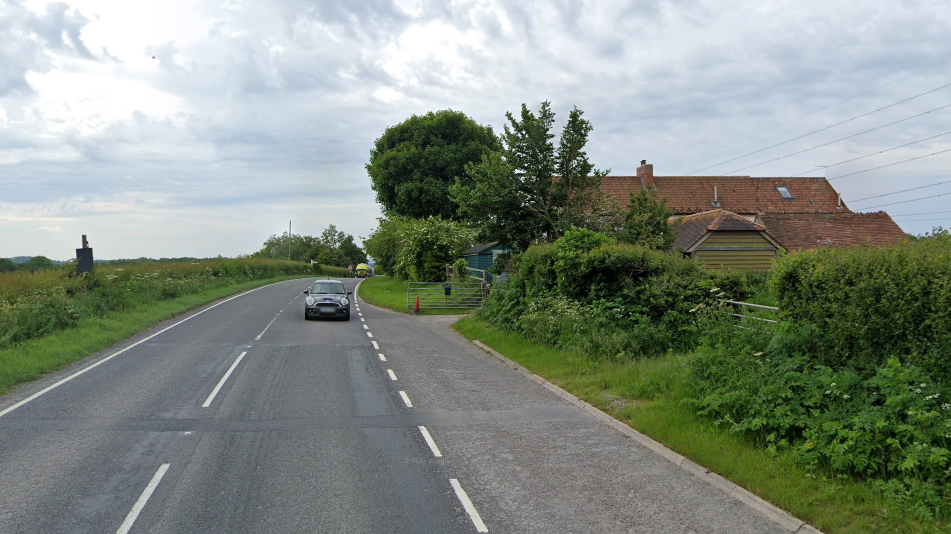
(768, 510)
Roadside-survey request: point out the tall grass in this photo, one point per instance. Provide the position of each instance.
(36, 305)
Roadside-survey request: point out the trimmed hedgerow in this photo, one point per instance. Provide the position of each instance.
(868, 304)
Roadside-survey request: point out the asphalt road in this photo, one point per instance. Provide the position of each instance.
(247, 418)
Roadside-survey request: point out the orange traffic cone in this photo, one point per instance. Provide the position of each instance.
(416, 307)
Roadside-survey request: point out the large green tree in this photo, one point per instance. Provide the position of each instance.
(332, 247)
(414, 162)
(645, 222)
(530, 189)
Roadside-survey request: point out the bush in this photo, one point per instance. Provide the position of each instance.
(612, 300)
(892, 428)
(426, 246)
(869, 304)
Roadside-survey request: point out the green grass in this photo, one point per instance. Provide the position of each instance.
(390, 293)
(649, 396)
(32, 359)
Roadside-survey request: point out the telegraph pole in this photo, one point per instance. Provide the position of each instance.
(288, 240)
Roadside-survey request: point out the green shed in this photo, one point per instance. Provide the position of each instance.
(724, 240)
(483, 256)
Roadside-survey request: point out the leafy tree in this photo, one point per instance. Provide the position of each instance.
(413, 163)
(7, 266)
(427, 245)
(530, 189)
(645, 222)
(37, 263)
(354, 254)
(331, 237)
(383, 244)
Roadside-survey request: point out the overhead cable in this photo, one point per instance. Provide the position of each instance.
(823, 109)
(839, 139)
(824, 129)
(902, 191)
(917, 214)
(892, 164)
(873, 154)
(906, 201)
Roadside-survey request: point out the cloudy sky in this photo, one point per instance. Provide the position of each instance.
(200, 127)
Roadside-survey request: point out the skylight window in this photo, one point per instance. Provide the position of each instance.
(784, 192)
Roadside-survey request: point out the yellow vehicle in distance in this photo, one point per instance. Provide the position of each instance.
(363, 271)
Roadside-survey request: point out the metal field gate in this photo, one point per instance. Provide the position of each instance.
(445, 295)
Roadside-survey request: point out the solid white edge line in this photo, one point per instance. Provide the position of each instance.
(377, 347)
(113, 355)
(467, 504)
(392, 374)
(222, 381)
(382, 357)
(143, 499)
(430, 442)
(265, 328)
(406, 399)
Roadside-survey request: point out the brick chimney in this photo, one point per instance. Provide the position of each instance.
(646, 173)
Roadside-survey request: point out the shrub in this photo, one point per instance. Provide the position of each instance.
(869, 304)
(426, 246)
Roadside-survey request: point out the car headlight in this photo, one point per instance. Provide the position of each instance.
(344, 302)
(310, 301)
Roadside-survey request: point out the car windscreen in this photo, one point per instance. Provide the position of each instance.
(329, 288)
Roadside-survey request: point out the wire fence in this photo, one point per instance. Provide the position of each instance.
(749, 316)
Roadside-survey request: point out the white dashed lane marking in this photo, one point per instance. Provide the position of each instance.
(406, 399)
(467, 504)
(382, 357)
(392, 374)
(430, 442)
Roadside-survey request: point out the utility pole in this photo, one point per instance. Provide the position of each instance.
(288, 240)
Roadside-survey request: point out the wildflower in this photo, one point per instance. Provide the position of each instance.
(946, 406)
(846, 396)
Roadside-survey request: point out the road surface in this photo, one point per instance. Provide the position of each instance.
(247, 418)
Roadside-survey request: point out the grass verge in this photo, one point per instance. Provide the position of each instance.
(649, 396)
(32, 359)
(390, 293)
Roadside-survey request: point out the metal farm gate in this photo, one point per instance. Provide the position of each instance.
(445, 295)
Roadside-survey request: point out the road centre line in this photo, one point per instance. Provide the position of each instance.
(365, 327)
(377, 347)
(265, 328)
(369, 334)
(113, 355)
(143, 499)
(406, 399)
(362, 320)
(430, 442)
(392, 374)
(382, 357)
(467, 504)
(358, 313)
(222, 381)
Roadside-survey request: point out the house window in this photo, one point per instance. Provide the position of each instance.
(784, 192)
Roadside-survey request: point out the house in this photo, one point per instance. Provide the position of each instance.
(724, 240)
(800, 231)
(797, 212)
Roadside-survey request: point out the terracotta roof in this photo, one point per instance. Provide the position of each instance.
(692, 227)
(803, 231)
(739, 194)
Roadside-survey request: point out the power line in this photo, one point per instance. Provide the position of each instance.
(837, 140)
(892, 164)
(917, 214)
(824, 129)
(906, 201)
(902, 191)
(874, 154)
(822, 109)
(922, 220)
